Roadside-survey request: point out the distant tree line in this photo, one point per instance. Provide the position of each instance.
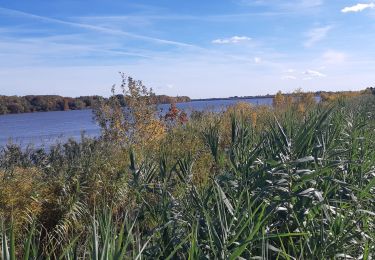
(43, 103)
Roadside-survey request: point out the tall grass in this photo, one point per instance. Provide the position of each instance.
(289, 186)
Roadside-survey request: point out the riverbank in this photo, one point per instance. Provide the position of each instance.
(47, 103)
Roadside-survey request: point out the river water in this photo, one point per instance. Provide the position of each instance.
(46, 128)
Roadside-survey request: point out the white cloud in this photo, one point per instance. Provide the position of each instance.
(257, 60)
(289, 77)
(290, 74)
(334, 57)
(317, 34)
(234, 39)
(310, 74)
(358, 8)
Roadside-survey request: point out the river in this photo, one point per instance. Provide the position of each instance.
(46, 128)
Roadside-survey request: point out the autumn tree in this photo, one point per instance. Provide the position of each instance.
(137, 122)
(175, 116)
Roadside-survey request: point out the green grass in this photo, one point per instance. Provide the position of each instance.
(300, 187)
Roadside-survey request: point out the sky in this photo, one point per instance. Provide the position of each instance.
(198, 48)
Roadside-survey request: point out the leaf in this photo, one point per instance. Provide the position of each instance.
(67, 249)
(225, 199)
(345, 256)
(12, 251)
(4, 246)
(366, 211)
(305, 159)
(259, 222)
(306, 192)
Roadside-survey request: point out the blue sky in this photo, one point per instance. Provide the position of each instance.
(210, 48)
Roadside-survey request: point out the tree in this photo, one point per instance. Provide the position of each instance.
(66, 104)
(76, 104)
(3, 109)
(137, 122)
(175, 115)
(15, 108)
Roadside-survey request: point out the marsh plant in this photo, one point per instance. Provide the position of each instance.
(248, 183)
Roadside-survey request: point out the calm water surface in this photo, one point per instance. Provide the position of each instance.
(47, 128)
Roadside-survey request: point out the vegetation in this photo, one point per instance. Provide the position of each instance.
(25, 104)
(43, 103)
(293, 181)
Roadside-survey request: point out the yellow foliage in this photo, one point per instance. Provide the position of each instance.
(243, 109)
(329, 97)
(130, 118)
(301, 108)
(246, 110)
(279, 99)
(22, 193)
(254, 118)
(153, 131)
(298, 101)
(308, 99)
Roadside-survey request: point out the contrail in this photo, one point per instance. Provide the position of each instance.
(95, 28)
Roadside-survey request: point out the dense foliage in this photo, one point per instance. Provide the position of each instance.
(25, 104)
(296, 181)
(43, 103)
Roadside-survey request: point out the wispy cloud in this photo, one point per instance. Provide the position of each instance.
(42, 51)
(309, 74)
(224, 17)
(100, 29)
(313, 74)
(334, 57)
(289, 77)
(358, 8)
(290, 74)
(234, 39)
(316, 35)
(304, 4)
(292, 5)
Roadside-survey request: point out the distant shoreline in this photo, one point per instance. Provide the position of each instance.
(161, 103)
(233, 98)
(47, 103)
(10, 105)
